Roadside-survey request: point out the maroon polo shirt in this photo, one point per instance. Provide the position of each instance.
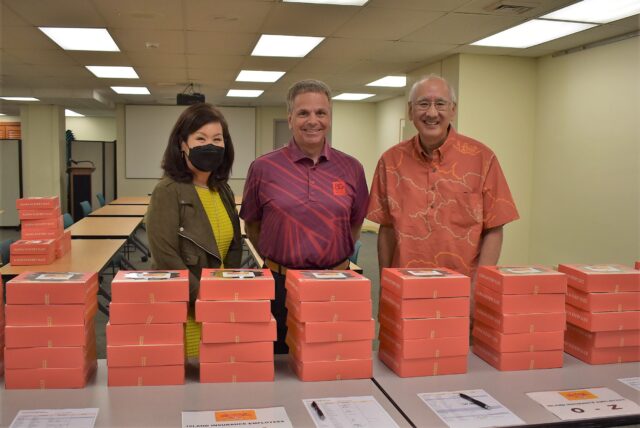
(306, 210)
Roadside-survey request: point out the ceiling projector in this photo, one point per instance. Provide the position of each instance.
(188, 99)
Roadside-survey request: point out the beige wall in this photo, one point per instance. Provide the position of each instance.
(92, 128)
(586, 176)
(496, 105)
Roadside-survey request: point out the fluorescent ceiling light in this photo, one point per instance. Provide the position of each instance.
(20, 99)
(285, 46)
(347, 96)
(532, 33)
(81, 39)
(131, 90)
(391, 82)
(598, 11)
(113, 72)
(259, 76)
(246, 93)
(71, 113)
(2, 114)
(338, 2)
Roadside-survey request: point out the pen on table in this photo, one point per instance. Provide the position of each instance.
(317, 409)
(474, 401)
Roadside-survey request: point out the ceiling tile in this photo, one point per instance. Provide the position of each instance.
(373, 23)
(41, 57)
(42, 13)
(215, 62)
(462, 28)
(431, 5)
(214, 43)
(307, 20)
(170, 41)
(142, 14)
(226, 15)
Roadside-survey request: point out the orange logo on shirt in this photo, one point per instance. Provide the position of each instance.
(339, 188)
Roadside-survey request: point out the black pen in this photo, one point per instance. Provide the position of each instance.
(474, 401)
(317, 409)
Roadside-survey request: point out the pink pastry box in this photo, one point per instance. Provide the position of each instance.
(412, 367)
(327, 285)
(52, 288)
(519, 303)
(426, 308)
(422, 283)
(522, 279)
(331, 331)
(520, 323)
(150, 286)
(239, 332)
(236, 284)
(602, 278)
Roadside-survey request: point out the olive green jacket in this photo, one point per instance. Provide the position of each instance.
(180, 235)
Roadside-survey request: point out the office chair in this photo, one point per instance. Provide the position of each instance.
(5, 250)
(356, 249)
(100, 198)
(67, 219)
(86, 208)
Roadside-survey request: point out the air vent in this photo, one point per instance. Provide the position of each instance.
(511, 7)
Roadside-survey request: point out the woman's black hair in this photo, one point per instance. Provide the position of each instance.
(193, 118)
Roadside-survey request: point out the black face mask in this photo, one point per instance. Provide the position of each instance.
(206, 158)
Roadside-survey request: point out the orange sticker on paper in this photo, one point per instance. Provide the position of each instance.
(580, 394)
(339, 188)
(235, 415)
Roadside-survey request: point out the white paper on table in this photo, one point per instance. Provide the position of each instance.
(457, 412)
(633, 382)
(342, 412)
(55, 418)
(272, 417)
(585, 403)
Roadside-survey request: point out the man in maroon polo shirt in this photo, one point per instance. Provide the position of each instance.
(304, 204)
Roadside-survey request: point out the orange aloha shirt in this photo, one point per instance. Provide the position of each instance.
(439, 206)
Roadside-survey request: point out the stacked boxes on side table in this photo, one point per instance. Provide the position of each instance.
(43, 238)
(330, 324)
(238, 330)
(603, 313)
(145, 333)
(50, 339)
(519, 317)
(424, 321)
(1, 328)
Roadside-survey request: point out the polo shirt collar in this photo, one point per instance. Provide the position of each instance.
(440, 153)
(297, 154)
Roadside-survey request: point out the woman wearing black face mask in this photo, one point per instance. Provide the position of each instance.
(192, 222)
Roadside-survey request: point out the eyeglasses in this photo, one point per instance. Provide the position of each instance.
(424, 105)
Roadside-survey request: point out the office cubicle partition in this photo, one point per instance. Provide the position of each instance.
(10, 181)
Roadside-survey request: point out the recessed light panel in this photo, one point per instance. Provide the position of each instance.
(81, 39)
(131, 90)
(259, 76)
(347, 96)
(244, 93)
(71, 113)
(113, 72)
(598, 11)
(532, 33)
(285, 46)
(20, 99)
(390, 82)
(337, 2)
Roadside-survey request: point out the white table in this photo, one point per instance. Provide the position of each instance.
(509, 387)
(162, 406)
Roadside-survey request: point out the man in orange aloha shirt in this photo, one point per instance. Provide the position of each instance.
(440, 198)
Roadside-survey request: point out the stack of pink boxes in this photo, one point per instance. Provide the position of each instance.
(603, 313)
(145, 333)
(238, 330)
(43, 238)
(1, 328)
(50, 339)
(330, 325)
(519, 317)
(424, 321)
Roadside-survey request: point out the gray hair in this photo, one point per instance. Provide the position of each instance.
(414, 88)
(304, 86)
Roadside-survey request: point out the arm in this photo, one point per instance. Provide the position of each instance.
(252, 228)
(386, 246)
(490, 247)
(355, 232)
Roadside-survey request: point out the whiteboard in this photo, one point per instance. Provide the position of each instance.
(147, 130)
